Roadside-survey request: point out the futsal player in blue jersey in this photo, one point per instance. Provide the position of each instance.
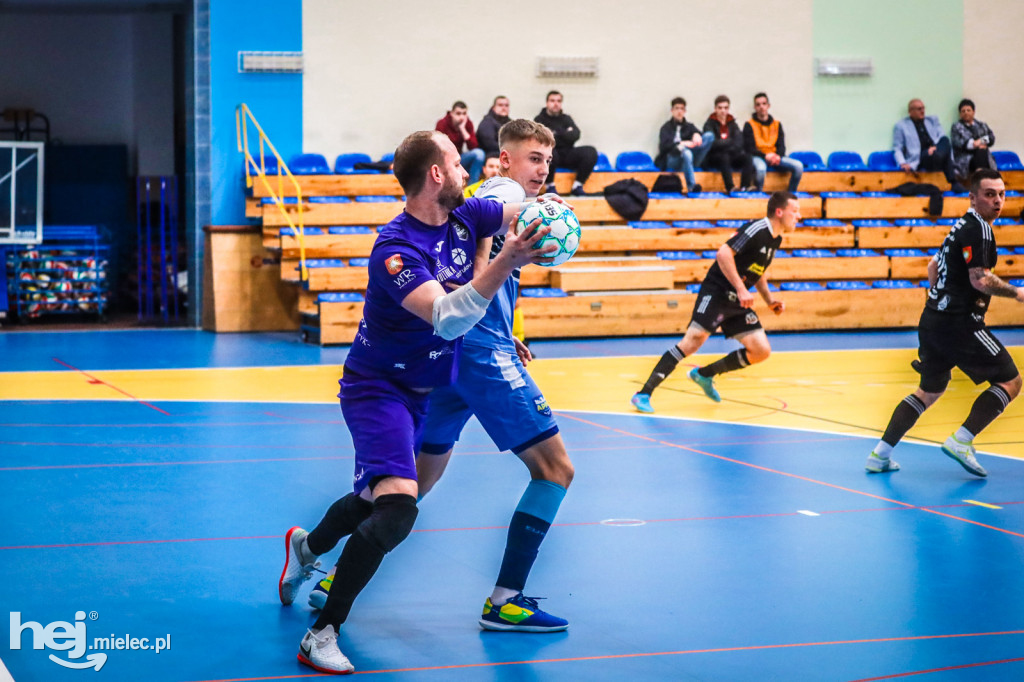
(494, 385)
(422, 297)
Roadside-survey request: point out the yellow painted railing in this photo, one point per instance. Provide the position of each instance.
(256, 169)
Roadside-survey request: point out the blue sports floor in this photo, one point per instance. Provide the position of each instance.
(685, 549)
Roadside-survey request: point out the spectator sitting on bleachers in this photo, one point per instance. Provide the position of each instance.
(765, 141)
(727, 150)
(581, 160)
(972, 141)
(918, 143)
(491, 167)
(487, 131)
(459, 129)
(681, 146)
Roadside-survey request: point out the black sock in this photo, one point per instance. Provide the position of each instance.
(665, 365)
(733, 361)
(989, 405)
(903, 419)
(341, 520)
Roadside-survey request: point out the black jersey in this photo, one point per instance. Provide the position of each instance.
(754, 246)
(969, 244)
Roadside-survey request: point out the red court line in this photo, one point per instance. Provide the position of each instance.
(607, 657)
(796, 476)
(939, 670)
(94, 380)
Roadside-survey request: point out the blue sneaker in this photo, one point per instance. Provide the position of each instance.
(520, 614)
(642, 403)
(318, 595)
(706, 383)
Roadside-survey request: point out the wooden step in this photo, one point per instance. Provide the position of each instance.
(627, 277)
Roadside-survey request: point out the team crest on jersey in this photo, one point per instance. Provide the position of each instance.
(967, 254)
(458, 256)
(394, 264)
(542, 406)
(461, 231)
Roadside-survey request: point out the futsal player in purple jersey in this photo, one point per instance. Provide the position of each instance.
(421, 299)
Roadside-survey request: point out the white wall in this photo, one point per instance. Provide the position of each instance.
(377, 71)
(993, 65)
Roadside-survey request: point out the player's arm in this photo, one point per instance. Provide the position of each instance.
(455, 313)
(762, 288)
(727, 262)
(933, 271)
(988, 282)
(483, 254)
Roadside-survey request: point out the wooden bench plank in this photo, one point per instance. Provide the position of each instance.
(927, 236)
(848, 208)
(624, 277)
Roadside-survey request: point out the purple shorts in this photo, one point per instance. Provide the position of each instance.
(386, 422)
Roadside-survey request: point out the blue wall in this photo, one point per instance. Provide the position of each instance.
(275, 99)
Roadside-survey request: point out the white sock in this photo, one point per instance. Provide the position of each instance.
(576, 183)
(963, 435)
(502, 595)
(306, 556)
(882, 449)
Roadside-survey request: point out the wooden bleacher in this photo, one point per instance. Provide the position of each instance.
(651, 295)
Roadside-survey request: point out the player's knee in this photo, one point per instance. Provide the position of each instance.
(1012, 387)
(758, 353)
(391, 521)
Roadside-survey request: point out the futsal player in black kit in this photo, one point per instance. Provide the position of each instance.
(952, 331)
(725, 301)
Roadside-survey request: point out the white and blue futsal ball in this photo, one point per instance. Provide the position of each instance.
(565, 228)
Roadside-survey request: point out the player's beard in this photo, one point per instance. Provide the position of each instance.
(451, 197)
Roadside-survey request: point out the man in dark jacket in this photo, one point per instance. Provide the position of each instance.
(681, 146)
(459, 129)
(765, 141)
(580, 160)
(487, 131)
(727, 151)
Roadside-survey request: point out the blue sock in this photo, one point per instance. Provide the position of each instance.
(530, 523)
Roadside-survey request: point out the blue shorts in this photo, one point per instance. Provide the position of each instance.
(493, 385)
(386, 422)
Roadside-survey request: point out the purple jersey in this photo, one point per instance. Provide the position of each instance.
(392, 343)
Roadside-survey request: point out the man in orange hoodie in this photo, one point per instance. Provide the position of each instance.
(765, 142)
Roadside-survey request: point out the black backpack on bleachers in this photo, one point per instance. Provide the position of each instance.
(627, 197)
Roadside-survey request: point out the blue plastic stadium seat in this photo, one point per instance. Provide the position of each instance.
(678, 255)
(539, 292)
(665, 195)
(706, 195)
(846, 161)
(924, 284)
(731, 224)
(811, 160)
(880, 195)
(949, 193)
(999, 222)
(358, 262)
(388, 158)
(813, 253)
(307, 231)
(634, 162)
(892, 284)
(823, 222)
(309, 164)
(709, 254)
(284, 200)
(1019, 251)
(801, 286)
(904, 253)
(339, 297)
(345, 164)
(323, 263)
(1017, 282)
(750, 195)
(1003, 251)
(648, 224)
(376, 199)
(882, 161)
(856, 253)
(839, 195)
(946, 221)
(913, 222)
(603, 164)
(1007, 160)
(783, 254)
(330, 200)
(693, 224)
(847, 286)
(692, 288)
(873, 222)
(1013, 192)
(933, 252)
(269, 164)
(349, 229)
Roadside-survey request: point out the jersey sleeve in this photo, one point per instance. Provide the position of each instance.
(505, 190)
(742, 237)
(482, 216)
(978, 245)
(398, 268)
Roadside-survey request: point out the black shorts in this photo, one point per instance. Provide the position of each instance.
(717, 308)
(948, 341)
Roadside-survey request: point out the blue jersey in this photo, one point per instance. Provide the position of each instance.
(495, 329)
(393, 343)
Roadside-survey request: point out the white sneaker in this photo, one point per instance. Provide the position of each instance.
(319, 650)
(964, 454)
(877, 464)
(295, 572)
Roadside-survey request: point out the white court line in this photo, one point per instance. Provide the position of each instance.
(807, 512)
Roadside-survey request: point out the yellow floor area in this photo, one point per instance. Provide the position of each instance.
(843, 391)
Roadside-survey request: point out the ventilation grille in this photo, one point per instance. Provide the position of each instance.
(567, 67)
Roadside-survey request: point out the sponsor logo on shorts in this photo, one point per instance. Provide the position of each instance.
(404, 277)
(394, 264)
(751, 318)
(435, 354)
(943, 302)
(541, 404)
